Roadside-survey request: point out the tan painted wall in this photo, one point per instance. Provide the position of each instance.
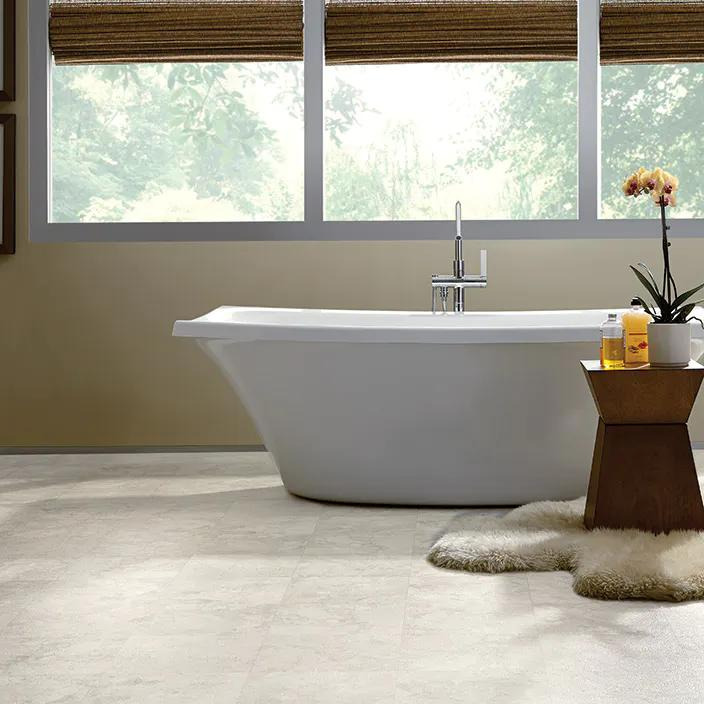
(86, 353)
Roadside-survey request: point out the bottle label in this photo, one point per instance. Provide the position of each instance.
(637, 347)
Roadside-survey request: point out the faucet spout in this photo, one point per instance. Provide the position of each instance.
(458, 264)
(458, 281)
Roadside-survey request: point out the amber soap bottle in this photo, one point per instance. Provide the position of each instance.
(635, 332)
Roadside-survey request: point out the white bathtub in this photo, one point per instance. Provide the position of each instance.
(414, 408)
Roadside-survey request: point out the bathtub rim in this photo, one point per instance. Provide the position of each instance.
(342, 327)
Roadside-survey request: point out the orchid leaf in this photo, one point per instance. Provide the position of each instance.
(647, 309)
(660, 301)
(684, 313)
(699, 320)
(645, 268)
(696, 303)
(684, 296)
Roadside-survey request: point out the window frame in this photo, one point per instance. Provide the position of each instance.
(588, 224)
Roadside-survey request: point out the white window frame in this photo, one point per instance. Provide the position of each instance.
(314, 227)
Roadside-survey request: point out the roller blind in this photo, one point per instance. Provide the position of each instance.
(399, 31)
(651, 31)
(118, 31)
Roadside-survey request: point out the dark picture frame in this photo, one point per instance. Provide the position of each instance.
(8, 126)
(7, 89)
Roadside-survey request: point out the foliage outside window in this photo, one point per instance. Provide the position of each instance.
(160, 142)
(174, 142)
(652, 113)
(500, 137)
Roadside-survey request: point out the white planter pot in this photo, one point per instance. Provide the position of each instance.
(669, 345)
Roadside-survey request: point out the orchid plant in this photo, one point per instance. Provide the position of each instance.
(669, 305)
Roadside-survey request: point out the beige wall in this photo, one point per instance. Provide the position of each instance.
(86, 353)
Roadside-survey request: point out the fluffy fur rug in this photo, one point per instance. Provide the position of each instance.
(606, 564)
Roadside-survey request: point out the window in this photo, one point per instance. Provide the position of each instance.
(181, 127)
(177, 142)
(501, 137)
(652, 114)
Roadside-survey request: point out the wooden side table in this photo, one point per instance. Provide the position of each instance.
(643, 474)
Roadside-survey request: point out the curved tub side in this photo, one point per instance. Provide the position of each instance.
(479, 424)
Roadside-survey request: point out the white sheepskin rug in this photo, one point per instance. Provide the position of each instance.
(550, 535)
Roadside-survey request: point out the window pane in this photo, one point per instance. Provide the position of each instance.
(652, 116)
(406, 141)
(177, 142)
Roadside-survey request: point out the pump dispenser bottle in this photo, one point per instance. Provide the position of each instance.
(635, 330)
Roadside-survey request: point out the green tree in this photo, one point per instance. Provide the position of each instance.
(652, 116)
(389, 182)
(530, 129)
(121, 131)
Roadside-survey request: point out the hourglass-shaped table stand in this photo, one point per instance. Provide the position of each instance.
(643, 474)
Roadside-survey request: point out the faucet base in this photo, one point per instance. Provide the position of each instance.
(458, 284)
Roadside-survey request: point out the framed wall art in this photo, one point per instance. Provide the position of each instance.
(7, 188)
(7, 52)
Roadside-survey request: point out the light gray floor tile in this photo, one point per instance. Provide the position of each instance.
(33, 688)
(196, 653)
(119, 686)
(345, 531)
(471, 642)
(351, 646)
(342, 687)
(215, 568)
(493, 685)
(453, 595)
(360, 601)
(195, 606)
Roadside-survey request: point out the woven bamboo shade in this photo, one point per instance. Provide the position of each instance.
(399, 31)
(371, 31)
(119, 31)
(651, 31)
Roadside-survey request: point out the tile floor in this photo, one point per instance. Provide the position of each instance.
(196, 578)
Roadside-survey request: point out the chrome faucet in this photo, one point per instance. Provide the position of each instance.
(458, 281)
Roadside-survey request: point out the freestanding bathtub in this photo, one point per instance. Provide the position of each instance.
(414, 408)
